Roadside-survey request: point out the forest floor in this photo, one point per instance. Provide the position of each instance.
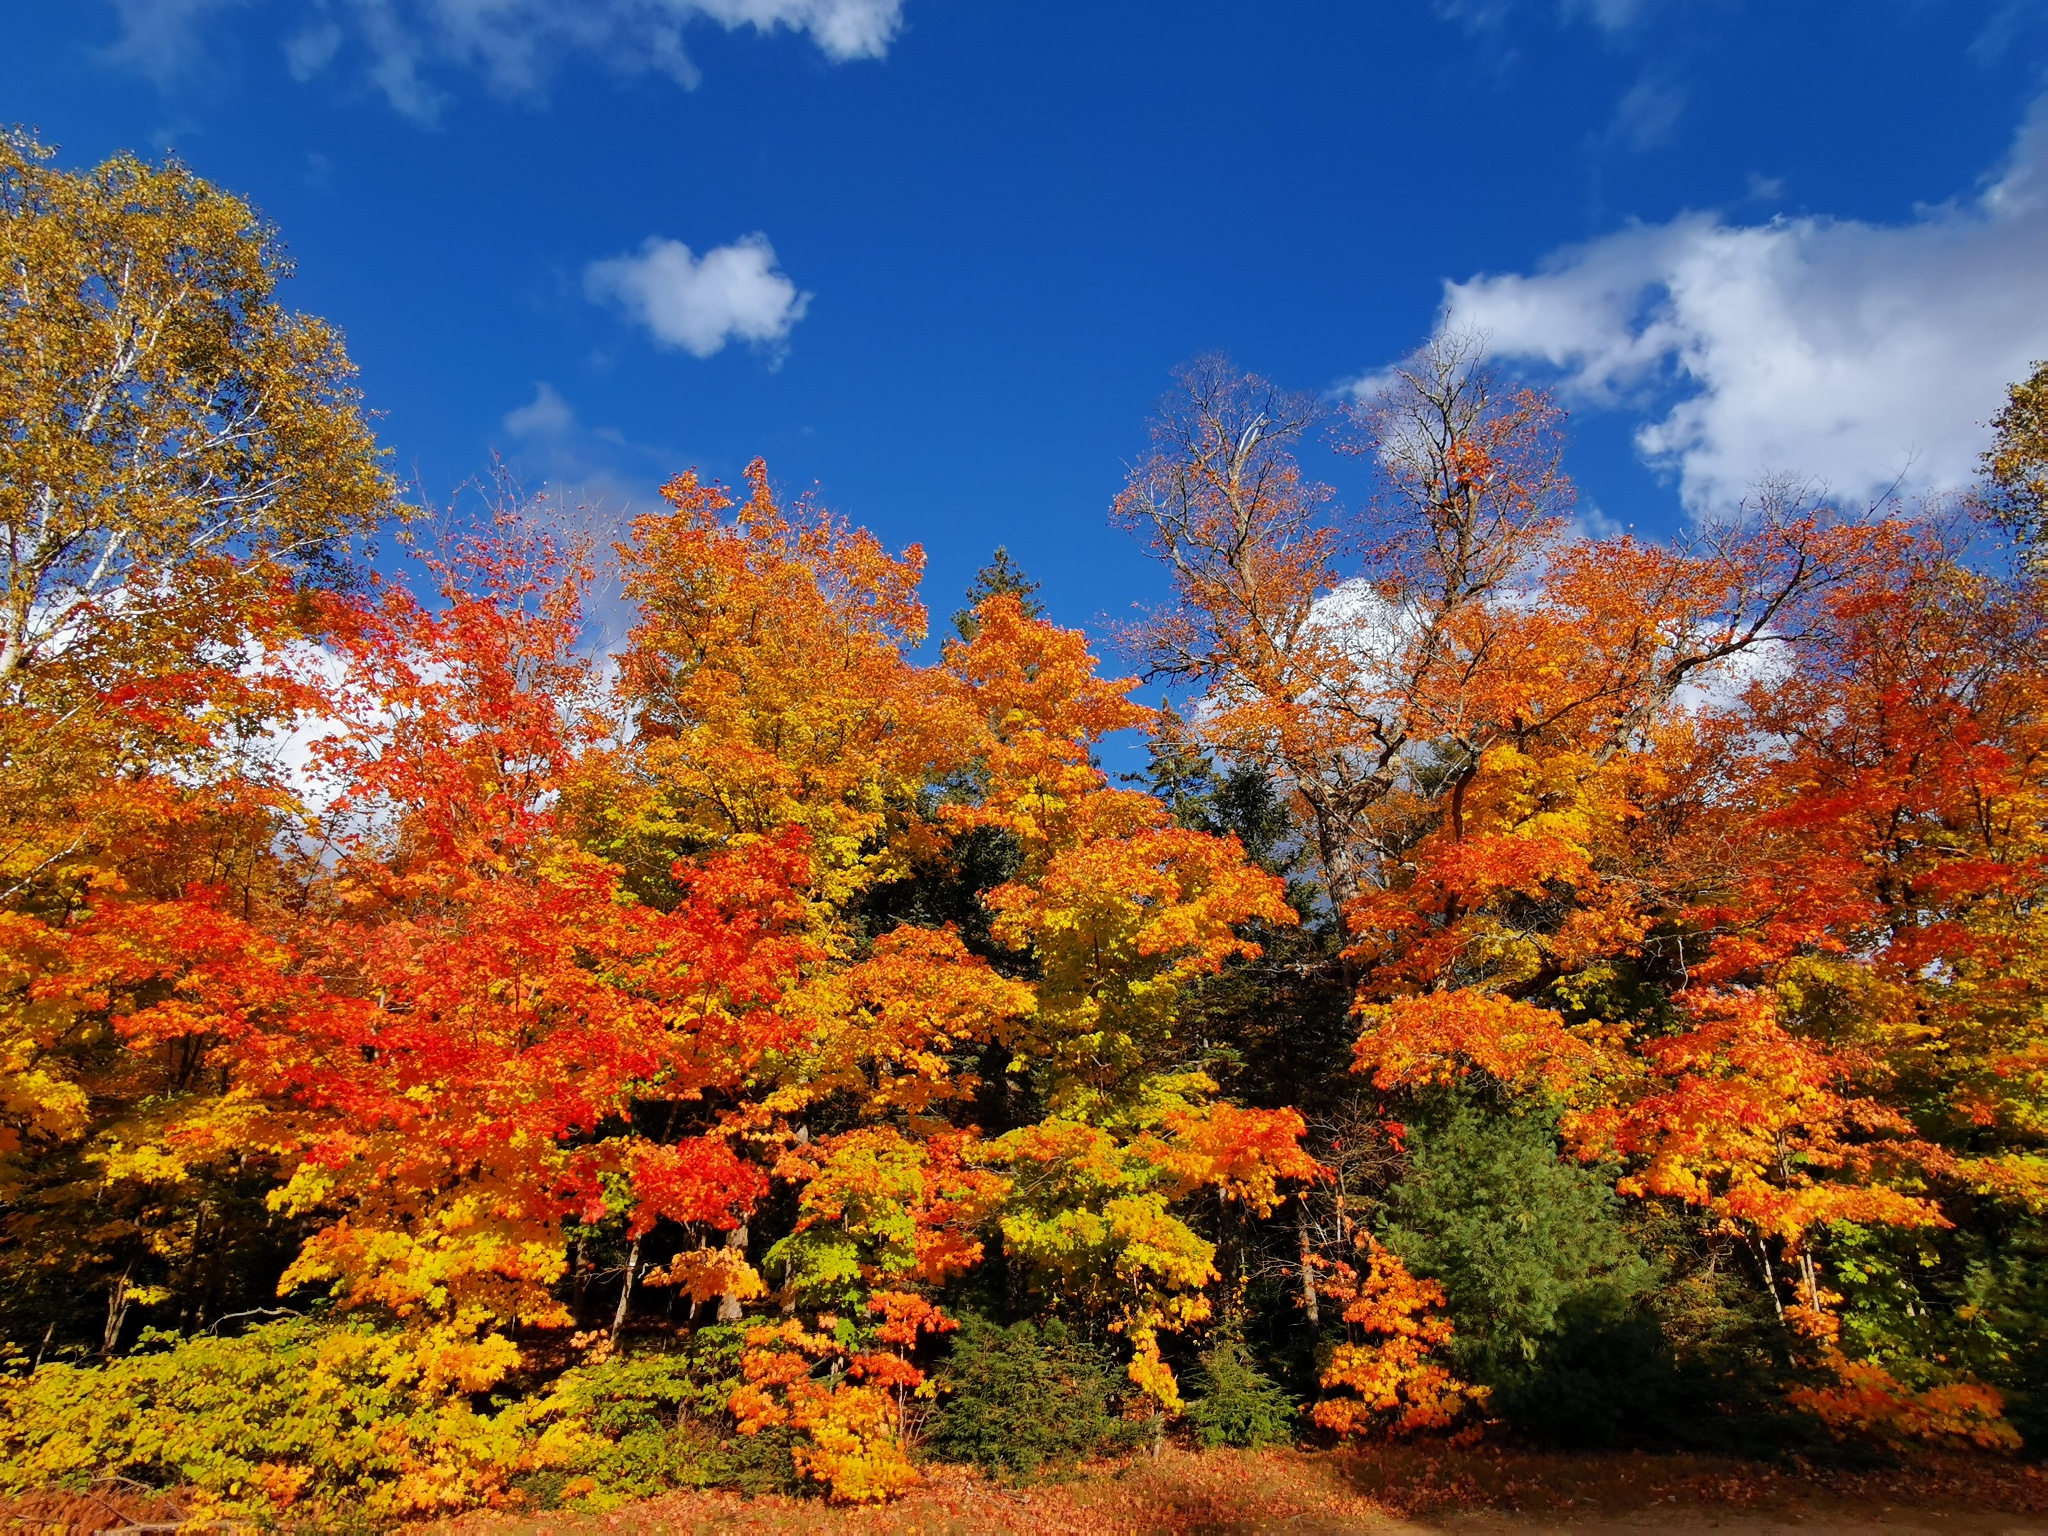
(1387, 1491)
(1484, 1491)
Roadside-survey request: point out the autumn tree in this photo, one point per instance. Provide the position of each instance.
(1124, 913)
(158, 402)
(1888, 921)
(483, 1009)
(181, 461)
(2016, 464)
(1253, 549)
(772, 691)
(1526, 763)
(774, 704)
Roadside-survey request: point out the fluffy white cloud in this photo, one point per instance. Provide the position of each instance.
(546, 415)
(511, 43)
(699, 303)
(845, 29)
(1849, 351)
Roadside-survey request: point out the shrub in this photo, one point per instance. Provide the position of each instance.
(1234, 1402)
(330, 1423)
(1605, 1378)
(654, 1420)
(1510, 1230)
(327, 1420)
(1015, 1400)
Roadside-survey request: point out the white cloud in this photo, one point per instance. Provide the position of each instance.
(1647, 114)
(598, 471)
(700, 303)
(546, 415)
(1849, 351)
(163, 40)
(308, 52)
(587, 482)
(845, 29)
(511, 43)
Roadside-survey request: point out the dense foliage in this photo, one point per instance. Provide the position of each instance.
(1025, 1398)
(1548, 985)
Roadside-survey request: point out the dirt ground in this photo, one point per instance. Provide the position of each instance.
(1396, 1492)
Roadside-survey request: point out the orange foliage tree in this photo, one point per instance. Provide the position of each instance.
(1396, 1381)
(1785, 765)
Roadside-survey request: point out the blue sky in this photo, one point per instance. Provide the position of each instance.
(936, 256)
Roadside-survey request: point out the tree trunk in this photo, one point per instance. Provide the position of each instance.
(1763, 1264)
(729, 1304)
(1308, 1272)
(117, 1311)
(1810, 1273)
(626, 1290)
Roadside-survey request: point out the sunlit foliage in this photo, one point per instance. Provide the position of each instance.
(442, 1066)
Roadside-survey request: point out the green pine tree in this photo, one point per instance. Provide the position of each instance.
(1001, 577)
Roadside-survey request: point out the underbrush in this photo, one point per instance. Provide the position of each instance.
(323, 1425)
(1016, 1401)
(337, 1426)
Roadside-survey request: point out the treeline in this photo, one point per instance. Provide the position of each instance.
(1550, 986)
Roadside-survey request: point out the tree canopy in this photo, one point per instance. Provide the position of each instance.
(749, 1055)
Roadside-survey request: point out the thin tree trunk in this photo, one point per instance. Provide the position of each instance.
(1308, 1273)
(626, 1290)
(729, 1304)
(117, 1311)
(1763, 1264)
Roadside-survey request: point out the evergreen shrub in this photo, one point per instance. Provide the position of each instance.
(1018, 1400)
(1510, 1229)
(1233, 1402)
